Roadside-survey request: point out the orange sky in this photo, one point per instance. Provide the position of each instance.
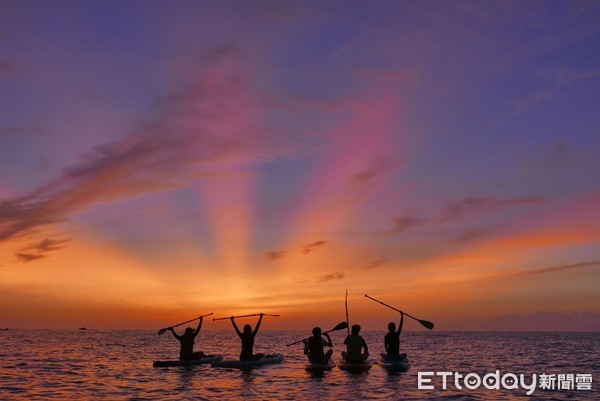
(266, 160)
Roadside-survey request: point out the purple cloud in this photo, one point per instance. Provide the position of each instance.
(475, 204)
(40, 250)
(472, 235)
(402, 224)
(26, 258)
(308, 249)
(329, 277)
(274, 255)
(375, 263)
(376, 167)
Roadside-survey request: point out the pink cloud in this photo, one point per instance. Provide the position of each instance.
(215, 119)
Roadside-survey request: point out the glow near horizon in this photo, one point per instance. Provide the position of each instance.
(161, 161)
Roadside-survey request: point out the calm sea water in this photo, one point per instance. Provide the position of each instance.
(117, 365)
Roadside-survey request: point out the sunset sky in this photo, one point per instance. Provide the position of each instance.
(165, 159)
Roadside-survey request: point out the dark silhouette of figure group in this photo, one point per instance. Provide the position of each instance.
(357, 350)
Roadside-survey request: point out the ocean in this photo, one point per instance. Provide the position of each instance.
(117, 365)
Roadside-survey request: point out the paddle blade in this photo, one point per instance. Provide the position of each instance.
(162, 331)
(426, 324)
(340, 326)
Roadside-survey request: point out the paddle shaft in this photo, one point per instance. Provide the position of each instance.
(237, 317)
(179, 324)
(398, 310)
(337, 327)
(347, 315)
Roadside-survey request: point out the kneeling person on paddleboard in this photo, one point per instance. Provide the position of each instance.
(186, 352)
(313, 347)
(392, 341)
(354, 346)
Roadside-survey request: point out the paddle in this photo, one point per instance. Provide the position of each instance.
(425, 323)
(347, 319)
(237, 317)
(162, 331)
(339, 326)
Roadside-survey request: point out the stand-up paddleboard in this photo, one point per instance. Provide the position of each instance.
(354, 367)
(319, 367)
(237, 364)
(401, 365)
(189, 362)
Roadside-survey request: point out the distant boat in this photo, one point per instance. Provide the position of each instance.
(82, 328)
(3, 329)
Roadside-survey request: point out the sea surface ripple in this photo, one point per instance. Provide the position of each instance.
(42, 365)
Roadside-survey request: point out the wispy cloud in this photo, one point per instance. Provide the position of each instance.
(375, 263)
(476, 204)
(330, 277)
(376, 167)
(26, 257)
(40, 250)
(47, 245)
(554, 269)
(308, 249)
(404, 223)
(274, 255)
(472, 235)
(215, 119)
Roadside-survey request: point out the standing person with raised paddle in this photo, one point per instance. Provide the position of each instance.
(314, 347)
(186, 352)
(247, 337)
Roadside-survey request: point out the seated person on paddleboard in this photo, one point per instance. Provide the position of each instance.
(186, 352)
(354, 346)
(313, 347)
(392, 342)
(247, 338)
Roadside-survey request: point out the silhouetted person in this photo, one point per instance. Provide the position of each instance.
(313, 347)
(186, 351)
(392, 341)
(247, 338)
(354, 346)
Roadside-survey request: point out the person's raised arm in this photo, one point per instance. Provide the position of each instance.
(177, 336)
(239, 333)
(257, 325)
(199, 326)
(328, 343)
(400, 324)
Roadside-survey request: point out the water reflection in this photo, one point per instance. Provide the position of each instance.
(36, 365)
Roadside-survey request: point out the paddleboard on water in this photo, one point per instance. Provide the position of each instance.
(401, 365)
(237, 364)
(319, 367)
(354, 367)
(190, 362)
